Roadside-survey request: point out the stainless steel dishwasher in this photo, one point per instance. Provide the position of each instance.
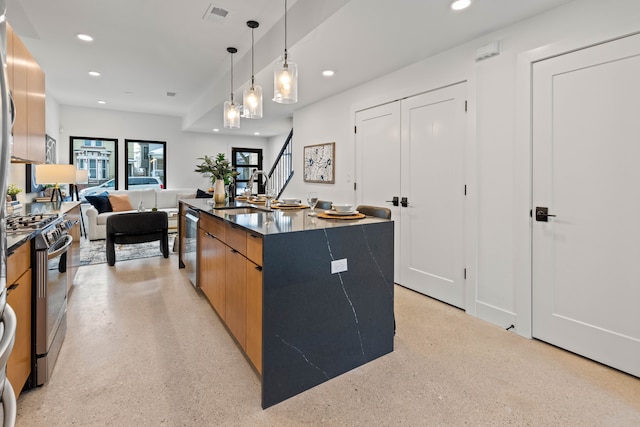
(190, 256)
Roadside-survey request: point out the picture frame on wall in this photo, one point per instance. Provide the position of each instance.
(319, 163)
(51, 153)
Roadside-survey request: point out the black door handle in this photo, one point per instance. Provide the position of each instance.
(404, 202)
(394, 201)
(542, 214)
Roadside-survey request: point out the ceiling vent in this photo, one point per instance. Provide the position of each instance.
(215, 13)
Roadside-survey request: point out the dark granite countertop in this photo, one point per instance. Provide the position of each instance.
(16, 239)
(276, 221)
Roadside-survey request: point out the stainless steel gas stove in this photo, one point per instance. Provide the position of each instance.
(18, 223)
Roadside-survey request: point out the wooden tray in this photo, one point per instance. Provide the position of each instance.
(354, 216)
(289, 207)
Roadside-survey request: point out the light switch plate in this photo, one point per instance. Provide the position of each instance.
(338, 266)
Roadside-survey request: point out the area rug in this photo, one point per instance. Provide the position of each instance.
(94, 251)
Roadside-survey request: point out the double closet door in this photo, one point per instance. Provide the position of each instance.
(413, 150)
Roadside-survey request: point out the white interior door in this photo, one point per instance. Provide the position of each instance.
(586, 171)
(432, 225)
(378, 163)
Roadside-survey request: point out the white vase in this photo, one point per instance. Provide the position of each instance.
(218, 191)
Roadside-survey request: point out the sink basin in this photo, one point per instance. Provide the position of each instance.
(236, 210)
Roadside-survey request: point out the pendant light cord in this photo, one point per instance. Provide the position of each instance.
(285, 31)
(232, 78)
(252, 73)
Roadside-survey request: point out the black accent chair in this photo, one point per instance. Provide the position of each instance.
(376, 211)
(137, 227)
(323, 205)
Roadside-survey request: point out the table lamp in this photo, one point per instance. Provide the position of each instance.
(82, 177)
(55, 174)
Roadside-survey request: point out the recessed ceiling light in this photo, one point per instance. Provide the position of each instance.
(94, 73)
(85, 37)
(460, 4)
(216, 130)
(100, 101)
(256, 133)
(328, 73)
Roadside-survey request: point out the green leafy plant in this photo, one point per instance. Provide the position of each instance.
(13, 189)
(217, 167)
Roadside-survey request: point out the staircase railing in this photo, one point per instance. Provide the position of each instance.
(282, 170)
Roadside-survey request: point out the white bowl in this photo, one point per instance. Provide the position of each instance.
(290, 201)
(342, 207)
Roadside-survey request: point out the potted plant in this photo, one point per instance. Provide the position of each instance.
(12, 191)
(220, 171)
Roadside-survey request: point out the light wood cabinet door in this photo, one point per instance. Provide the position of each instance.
(236, 295)
(36, 139)
(212, 271)
(254, 315)
(19, 298)
(19, 363)
(73, 257)
(21, 59)
(254, 248)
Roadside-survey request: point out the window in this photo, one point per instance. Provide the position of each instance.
(98, 156)
(146, 162)
(245, 161)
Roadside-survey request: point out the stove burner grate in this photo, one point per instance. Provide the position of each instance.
(29, 222)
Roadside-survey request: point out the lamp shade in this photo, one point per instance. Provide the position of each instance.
(55, 174)
(82, 176)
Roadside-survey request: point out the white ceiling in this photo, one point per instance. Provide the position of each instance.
(150, 47)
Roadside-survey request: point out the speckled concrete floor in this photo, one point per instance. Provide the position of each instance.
(145, 349)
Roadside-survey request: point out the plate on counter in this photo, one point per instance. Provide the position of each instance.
(341, 213)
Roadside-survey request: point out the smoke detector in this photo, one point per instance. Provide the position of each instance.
(215, 13)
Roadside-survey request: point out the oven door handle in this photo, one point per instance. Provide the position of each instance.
(63, 249)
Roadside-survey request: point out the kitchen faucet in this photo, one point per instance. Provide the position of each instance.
(268, 191)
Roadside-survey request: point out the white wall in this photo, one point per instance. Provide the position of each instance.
(183, 148)
(496, 177)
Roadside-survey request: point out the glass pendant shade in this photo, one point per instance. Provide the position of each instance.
(252, 102)
(285, 82)
(231, 115)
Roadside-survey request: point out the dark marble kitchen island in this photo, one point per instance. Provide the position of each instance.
(317, 325)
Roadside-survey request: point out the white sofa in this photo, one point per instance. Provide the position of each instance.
(164, 200)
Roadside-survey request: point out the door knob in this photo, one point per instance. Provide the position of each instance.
(542, 214)
(394, 201)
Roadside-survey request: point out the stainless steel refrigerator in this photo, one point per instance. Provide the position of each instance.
(8, 323)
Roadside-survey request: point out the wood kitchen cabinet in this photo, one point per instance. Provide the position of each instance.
(19, 298)
(27, 86)
(73, 256)
(233, 282)
(253, 346)
(212, 270)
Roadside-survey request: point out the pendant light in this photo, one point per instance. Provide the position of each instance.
(252, 100)
(285, 77)
(231, 109)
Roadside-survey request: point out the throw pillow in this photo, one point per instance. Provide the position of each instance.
(203, 194)
(100, 202)
(120, 202)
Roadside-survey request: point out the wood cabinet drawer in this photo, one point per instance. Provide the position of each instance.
(213, 226)
(19, 362)
(254, 248)
(18, 262)
(236, 238)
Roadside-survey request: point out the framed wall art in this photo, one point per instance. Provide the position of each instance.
(319, 163)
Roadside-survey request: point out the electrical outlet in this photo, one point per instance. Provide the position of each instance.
(338, 266)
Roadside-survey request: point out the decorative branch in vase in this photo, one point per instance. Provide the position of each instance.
(220, 171)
